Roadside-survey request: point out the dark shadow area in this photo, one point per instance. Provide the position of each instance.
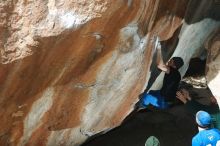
(196, 67)
(198, 10)
(174, 127)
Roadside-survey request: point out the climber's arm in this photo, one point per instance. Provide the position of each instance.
(160, 63)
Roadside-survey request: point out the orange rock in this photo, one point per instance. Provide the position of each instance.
(74, 68)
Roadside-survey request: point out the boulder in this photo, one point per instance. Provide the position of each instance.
(72, 68)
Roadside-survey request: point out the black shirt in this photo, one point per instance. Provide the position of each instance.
(170, 84)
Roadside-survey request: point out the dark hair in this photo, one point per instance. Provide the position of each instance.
(178, 61)
(188, 87)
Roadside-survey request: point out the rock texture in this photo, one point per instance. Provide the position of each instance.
(71, 69)
(213, 63)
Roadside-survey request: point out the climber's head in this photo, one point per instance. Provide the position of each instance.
(175, 62)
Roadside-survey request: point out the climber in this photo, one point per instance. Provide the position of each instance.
(206, 136)
(193, 106)
(164, 97)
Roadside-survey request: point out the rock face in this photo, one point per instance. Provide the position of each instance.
(213, 63)
(70, 69)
